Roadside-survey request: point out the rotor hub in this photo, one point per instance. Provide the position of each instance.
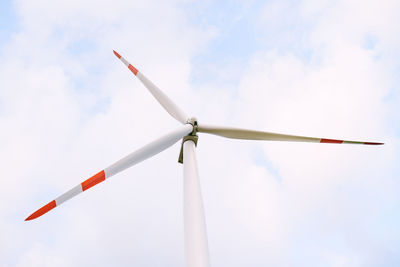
(193, 122)
(192, 136)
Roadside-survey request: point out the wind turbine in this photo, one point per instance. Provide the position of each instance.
(196, 247)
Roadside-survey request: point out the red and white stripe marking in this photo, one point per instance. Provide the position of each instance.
(335, 141)
(132, 68)
(135, 157)
(162, 98)
(92, 181)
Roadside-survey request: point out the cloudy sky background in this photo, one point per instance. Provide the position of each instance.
(69, 108)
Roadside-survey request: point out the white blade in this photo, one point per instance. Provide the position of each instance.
(139, 155)
(162, 98)
(196, 246)
(236, 133)
(149, 150)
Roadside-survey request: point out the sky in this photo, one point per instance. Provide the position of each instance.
(69, 108)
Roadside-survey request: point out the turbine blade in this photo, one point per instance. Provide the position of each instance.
(139, 155)
(162, 98)
(236, 133)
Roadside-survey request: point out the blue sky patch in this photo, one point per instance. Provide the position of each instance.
(8, 21)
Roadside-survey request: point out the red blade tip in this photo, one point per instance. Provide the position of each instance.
(49, 206)
(373, 143)
(118, 55)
